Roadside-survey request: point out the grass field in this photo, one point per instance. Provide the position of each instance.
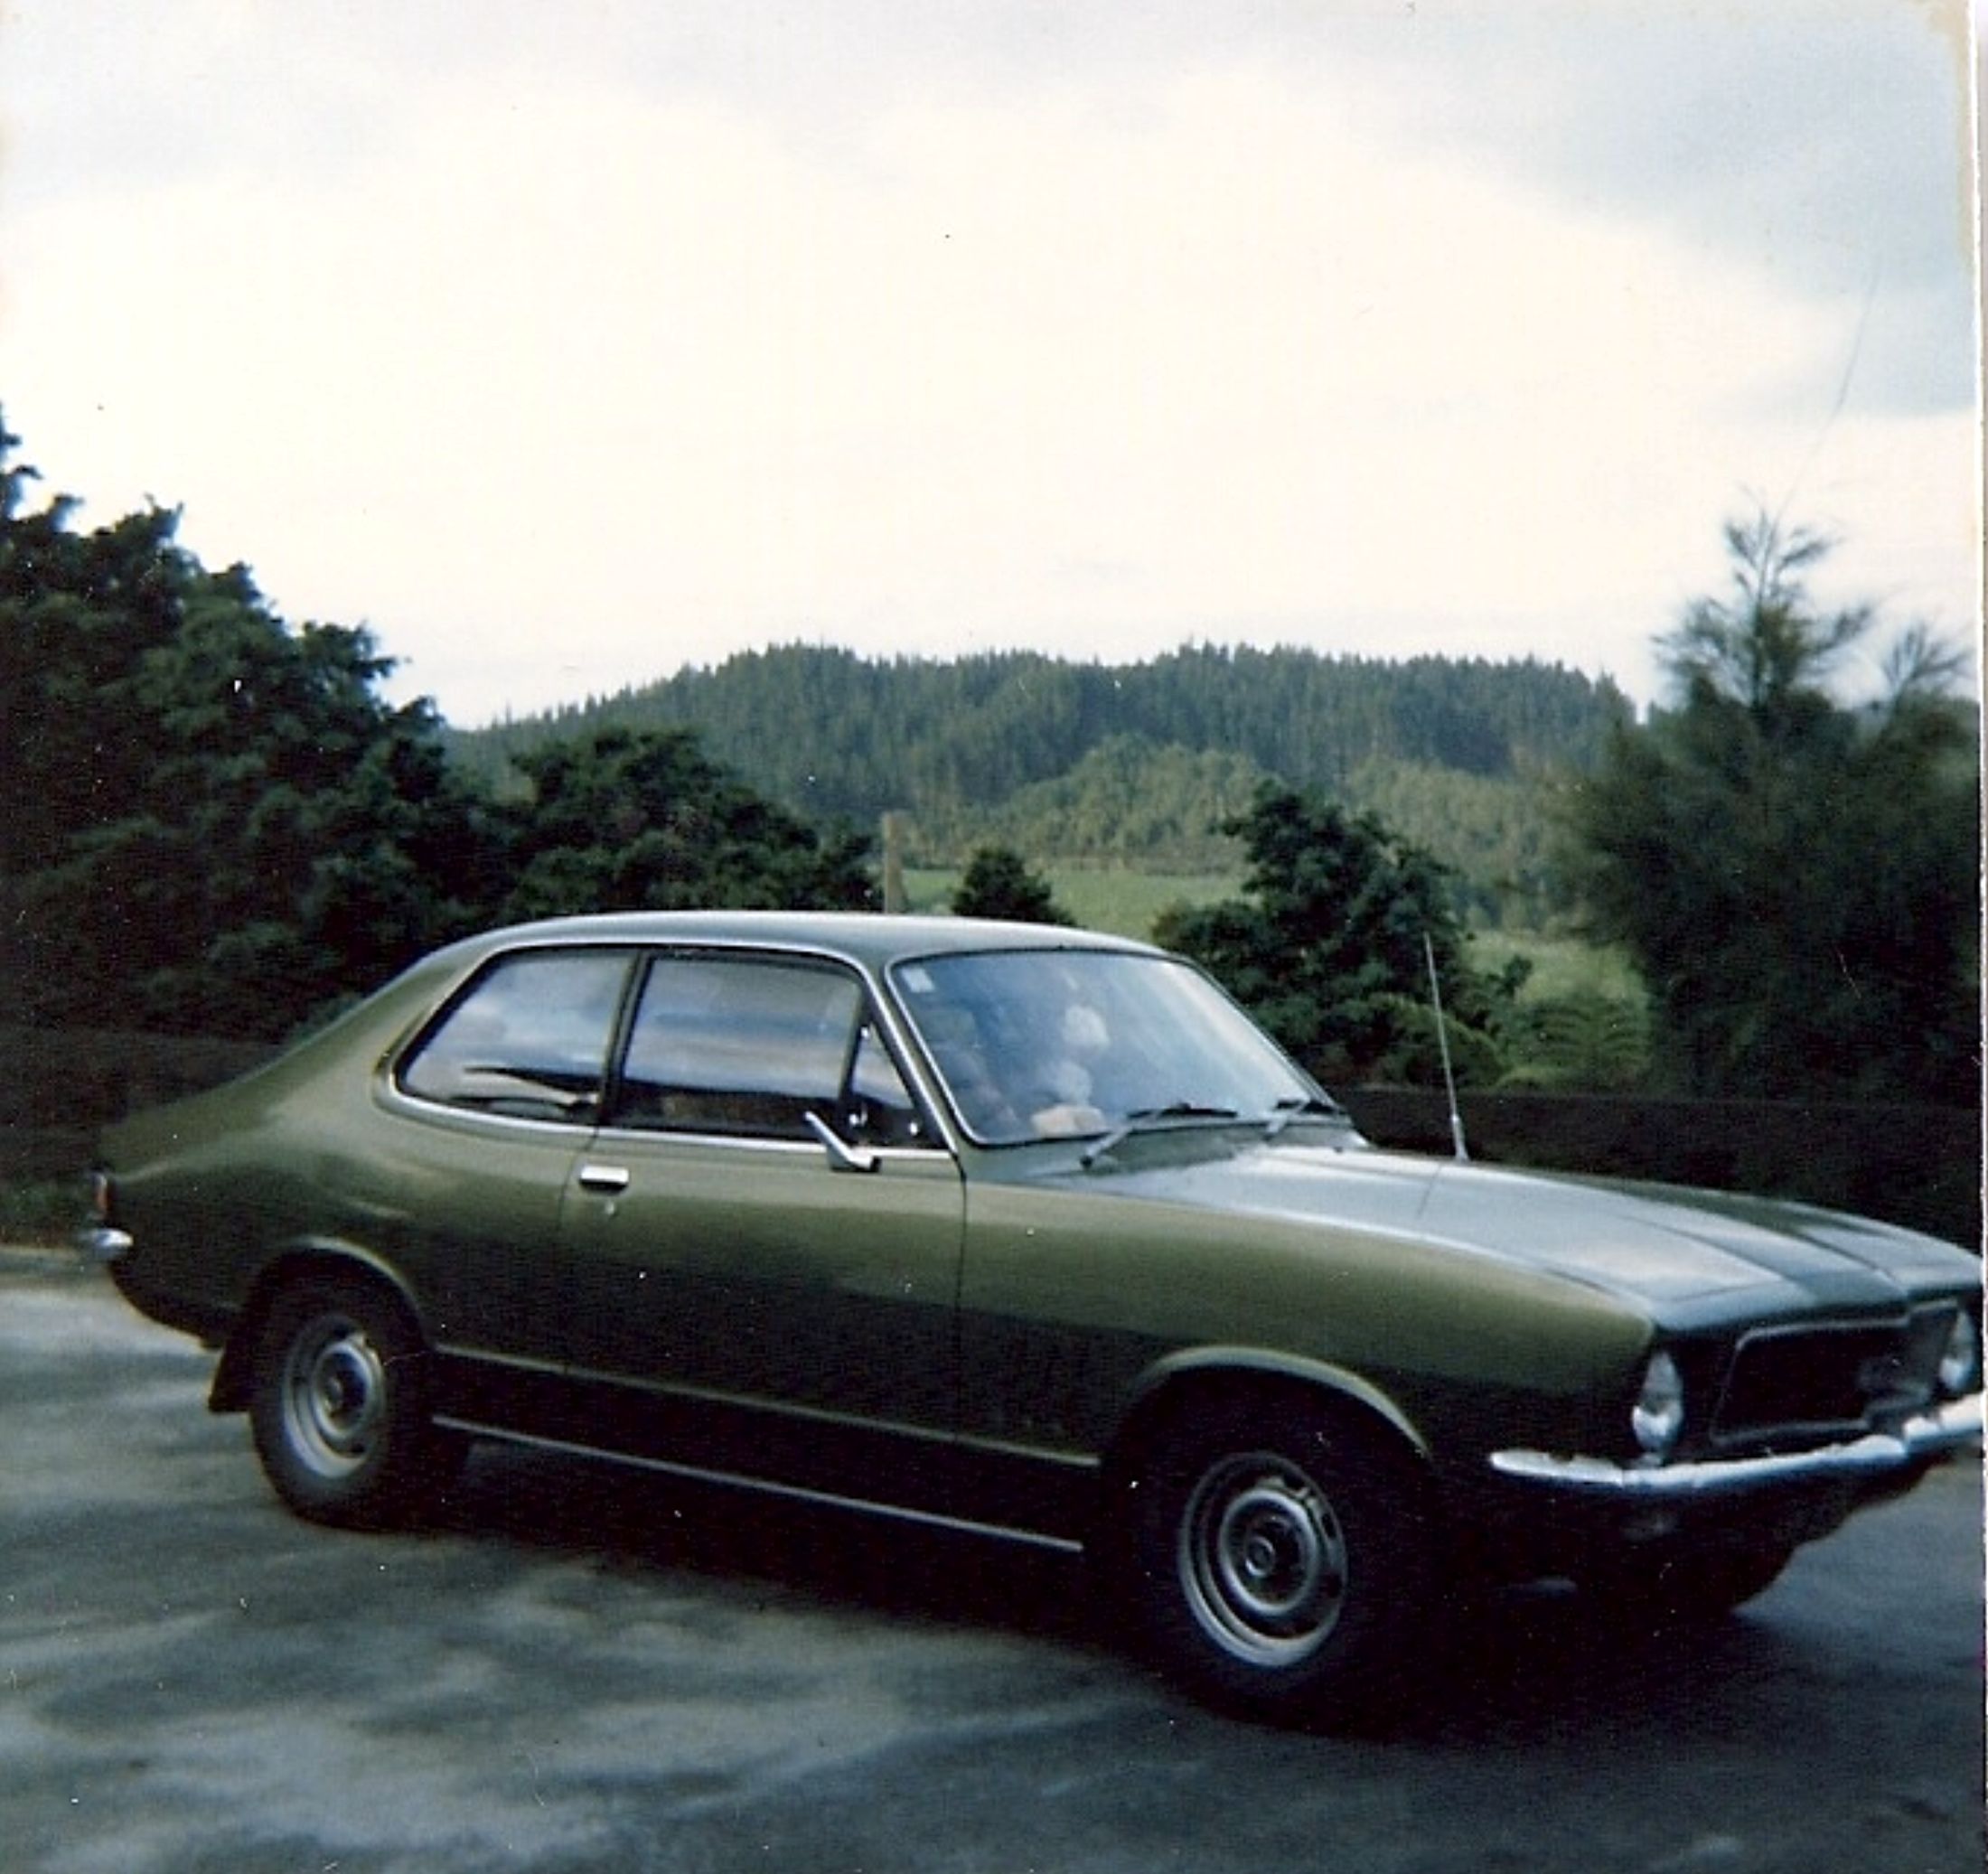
(1126, 904)
(1562, 966)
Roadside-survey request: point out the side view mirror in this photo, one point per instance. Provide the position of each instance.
(842, 1155)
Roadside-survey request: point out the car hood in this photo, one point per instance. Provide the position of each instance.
(1665, 1247)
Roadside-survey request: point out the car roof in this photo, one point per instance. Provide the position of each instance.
(870, 940)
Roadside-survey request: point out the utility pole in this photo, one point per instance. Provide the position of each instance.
(893, 863)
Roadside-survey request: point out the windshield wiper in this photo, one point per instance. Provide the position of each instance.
(1140, 1118)
(1306, 1106)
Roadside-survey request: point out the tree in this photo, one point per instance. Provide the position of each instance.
(643, 820)
(1795, 879)
(290, 840)
(1584, 1041)
(207, 820)
(211, 821)
(1128, 764)
(1328, 950)
(999, 884)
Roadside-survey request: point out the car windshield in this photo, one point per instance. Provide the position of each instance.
(1068, 1044)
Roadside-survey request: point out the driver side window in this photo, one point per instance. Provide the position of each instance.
(748, 1046)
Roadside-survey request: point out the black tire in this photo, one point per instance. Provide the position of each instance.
(340, 1407)
(1690, 1588)
(1283, 1559)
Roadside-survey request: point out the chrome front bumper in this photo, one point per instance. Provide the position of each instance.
(1922, 1440)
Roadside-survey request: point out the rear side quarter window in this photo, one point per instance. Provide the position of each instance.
(528, 1039)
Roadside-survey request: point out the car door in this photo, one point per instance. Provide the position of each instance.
(749, 1294)
(499, 1096)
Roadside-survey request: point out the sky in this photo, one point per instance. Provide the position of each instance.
(566, 346)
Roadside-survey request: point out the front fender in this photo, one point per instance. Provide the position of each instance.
(1257, 1364)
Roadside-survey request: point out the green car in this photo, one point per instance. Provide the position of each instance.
(1026, 1233)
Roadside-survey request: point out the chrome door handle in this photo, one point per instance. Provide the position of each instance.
(607, 1178)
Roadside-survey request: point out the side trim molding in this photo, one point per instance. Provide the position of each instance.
(795, 1493)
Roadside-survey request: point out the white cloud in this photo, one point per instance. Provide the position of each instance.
(561, 380)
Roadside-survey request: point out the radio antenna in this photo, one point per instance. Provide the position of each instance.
(1443, 1042)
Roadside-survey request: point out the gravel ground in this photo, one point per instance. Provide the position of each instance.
(572, 1670)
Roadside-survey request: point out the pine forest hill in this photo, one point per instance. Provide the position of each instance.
(1133, 766)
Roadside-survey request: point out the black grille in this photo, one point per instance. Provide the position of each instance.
(1830, 1380)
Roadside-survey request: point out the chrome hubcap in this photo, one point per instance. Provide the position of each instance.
(1262, 1560)
(334, 1395)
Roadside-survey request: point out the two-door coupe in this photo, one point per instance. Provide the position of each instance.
(1027, 1232)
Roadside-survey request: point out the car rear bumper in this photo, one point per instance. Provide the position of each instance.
(103, 1244)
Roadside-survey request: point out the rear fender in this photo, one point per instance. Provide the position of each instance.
(234, 1377)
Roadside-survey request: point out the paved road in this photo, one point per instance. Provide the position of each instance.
(577, 1672)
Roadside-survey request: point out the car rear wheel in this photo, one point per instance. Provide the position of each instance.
(1283, 1559)
(340, 1407)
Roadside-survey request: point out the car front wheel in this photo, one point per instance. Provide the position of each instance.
(1283, 1560)
(1684, 1588)
(339, 1407)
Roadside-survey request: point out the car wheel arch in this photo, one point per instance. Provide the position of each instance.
(1176, 1386)
(314, 1258)
(1241, 1512)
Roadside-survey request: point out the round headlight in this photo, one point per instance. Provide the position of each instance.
(1659, 1416)
(1960, 1358)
